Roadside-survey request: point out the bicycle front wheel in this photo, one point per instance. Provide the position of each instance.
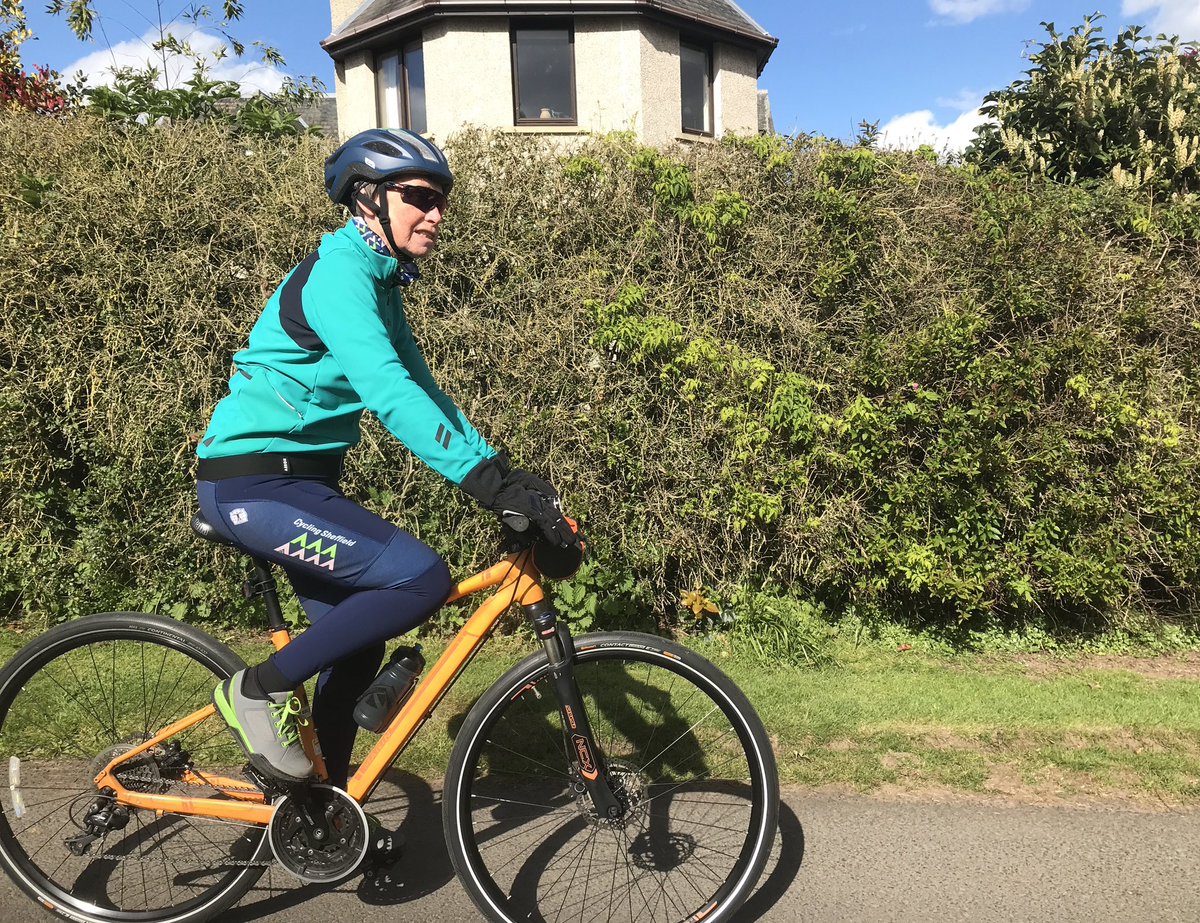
(70, 702)
(686, 754)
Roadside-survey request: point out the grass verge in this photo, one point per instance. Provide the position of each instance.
(1037, 727)
(1040, 728)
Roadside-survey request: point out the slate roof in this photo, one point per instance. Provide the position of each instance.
(723, 16)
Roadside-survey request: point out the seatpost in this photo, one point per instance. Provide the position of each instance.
(263, 584)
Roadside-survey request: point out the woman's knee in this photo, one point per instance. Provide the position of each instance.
(437, 580)
(410, 565)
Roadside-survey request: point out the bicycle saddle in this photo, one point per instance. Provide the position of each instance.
(205, 529)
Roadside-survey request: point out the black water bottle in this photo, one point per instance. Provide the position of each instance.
(381, 702)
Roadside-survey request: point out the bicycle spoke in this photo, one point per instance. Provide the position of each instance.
(86, 701)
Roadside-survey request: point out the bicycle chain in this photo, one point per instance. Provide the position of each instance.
(142, 776)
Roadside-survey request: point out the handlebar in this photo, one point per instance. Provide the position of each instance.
(554, 562)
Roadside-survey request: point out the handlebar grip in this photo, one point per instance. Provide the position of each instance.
(518, 522)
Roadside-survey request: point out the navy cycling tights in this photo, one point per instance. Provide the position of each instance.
(360, 579)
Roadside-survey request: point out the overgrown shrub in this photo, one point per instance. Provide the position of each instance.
(1128, 111)
(859, 379)
(38, 91)
(136, 98)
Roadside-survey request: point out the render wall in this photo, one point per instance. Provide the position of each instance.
(354, 78)
(608, 92)
(660, 84)
(626, 79)
(735, 90)
(468, 75)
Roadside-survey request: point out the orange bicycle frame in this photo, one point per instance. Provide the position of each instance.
(516, 578)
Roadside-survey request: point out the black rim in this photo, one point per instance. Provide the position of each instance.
(95, 676)
(691, 773)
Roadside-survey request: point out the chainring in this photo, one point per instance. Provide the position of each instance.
(309, 859)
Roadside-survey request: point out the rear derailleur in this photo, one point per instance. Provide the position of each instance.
(102, 816)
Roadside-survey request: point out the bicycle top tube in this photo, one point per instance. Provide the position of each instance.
(517, 569)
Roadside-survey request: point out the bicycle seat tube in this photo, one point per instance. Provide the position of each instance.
(560, 649)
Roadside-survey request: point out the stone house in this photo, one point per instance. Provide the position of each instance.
(665, 69)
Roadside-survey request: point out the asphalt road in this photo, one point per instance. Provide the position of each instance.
(838, 858)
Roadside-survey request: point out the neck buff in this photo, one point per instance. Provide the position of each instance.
(407, 272)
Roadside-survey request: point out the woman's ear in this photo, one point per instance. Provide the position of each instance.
(366, 206)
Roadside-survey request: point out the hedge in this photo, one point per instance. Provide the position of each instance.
(781, 366)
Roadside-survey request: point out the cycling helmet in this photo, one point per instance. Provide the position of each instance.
(379, 153)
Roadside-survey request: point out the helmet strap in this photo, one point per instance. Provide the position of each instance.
(406, 273)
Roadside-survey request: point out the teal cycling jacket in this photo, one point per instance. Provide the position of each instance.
(332, 342)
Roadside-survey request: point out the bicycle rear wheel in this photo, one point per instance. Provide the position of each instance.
(71, 701)
(685, 752)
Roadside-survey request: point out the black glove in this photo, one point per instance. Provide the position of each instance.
(531, 482)
(541, 510)
(503, 490)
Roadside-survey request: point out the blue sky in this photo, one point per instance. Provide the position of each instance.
(918, 67)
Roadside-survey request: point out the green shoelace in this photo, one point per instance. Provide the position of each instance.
(287, 720)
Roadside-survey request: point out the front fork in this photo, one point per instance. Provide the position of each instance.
(583, 752)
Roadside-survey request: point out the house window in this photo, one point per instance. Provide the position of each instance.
(695, 78)
(400, 88)
(543, 63)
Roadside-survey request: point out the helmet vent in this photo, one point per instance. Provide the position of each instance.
(379, 147)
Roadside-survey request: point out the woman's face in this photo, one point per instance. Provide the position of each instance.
(414, 230)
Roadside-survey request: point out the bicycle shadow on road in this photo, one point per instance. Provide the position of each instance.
(404, 804)
(783, 872)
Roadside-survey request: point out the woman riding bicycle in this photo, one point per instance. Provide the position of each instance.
(332, 342)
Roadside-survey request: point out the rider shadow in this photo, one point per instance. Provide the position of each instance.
(414, 812)
(405, 805)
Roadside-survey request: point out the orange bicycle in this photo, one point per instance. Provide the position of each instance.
(615, 773)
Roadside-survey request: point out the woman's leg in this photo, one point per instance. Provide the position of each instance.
(338, 691)
(361, 580)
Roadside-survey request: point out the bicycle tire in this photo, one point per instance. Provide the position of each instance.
(69, 701)
(699, 776)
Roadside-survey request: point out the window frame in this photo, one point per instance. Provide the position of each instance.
(544, 25)
(706, 49)
(397, 57)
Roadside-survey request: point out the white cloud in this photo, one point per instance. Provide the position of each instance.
(911, 130)
(252, 76)
(1174, 17)
(968, 10)
(964, 101)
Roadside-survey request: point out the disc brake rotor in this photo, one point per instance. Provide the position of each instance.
(334, 849)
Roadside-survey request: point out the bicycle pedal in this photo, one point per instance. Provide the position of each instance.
(272, 788)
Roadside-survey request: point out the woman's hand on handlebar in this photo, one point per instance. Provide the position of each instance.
(525, 496)
(511, 494)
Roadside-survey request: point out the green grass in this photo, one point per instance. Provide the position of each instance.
(978, 723)
(879, 717)
(1033, 727)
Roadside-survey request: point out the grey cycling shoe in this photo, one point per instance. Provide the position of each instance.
(267, 729)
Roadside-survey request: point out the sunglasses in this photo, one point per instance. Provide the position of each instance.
(421, 197)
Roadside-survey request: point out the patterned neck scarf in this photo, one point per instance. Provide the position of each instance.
(406, 272)
(374, 241)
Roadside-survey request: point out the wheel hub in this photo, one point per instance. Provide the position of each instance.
(627, 786)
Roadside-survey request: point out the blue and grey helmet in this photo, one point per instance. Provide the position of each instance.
(379, 153)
